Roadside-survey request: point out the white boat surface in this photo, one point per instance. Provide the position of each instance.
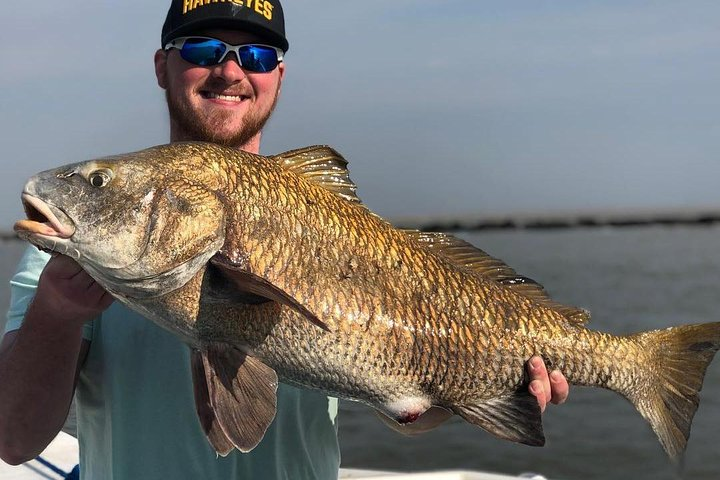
(62, 456)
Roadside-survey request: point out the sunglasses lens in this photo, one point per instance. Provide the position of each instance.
(257, 58)
(202, 51)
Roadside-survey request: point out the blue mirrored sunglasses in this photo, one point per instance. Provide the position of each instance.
(206, 52)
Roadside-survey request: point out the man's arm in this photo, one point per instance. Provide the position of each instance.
(39, 363)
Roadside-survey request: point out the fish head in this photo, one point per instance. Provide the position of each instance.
(135, 222)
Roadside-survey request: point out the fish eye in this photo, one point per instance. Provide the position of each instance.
(100, 178)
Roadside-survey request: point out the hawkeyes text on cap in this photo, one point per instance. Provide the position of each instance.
(260, 17)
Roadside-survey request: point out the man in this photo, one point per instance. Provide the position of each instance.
(136, 415)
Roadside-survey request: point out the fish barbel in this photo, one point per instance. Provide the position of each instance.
(270, 267)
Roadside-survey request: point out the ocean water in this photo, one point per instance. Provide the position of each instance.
(631, 279)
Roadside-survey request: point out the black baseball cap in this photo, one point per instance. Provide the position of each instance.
(263, 18)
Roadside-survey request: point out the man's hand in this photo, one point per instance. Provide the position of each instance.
(67, 293)
(551, 388)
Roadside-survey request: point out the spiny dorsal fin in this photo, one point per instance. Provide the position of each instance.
(463, 253)
(322, 166)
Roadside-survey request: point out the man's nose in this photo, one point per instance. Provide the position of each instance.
(229, 69)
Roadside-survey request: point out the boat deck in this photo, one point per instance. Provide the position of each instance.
(62, 455)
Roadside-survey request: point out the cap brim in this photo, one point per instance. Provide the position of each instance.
(268, 36)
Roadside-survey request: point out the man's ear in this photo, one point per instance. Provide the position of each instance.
(281, 71)
(161, 68)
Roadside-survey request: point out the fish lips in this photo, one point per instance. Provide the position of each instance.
(46, 225)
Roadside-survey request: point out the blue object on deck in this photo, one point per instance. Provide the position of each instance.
(73, 475)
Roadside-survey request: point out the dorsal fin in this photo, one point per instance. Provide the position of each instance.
(469, 256)
(322, 166)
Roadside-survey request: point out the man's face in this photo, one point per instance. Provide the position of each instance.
(222, 103)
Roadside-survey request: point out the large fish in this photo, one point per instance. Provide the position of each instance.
(269, 267)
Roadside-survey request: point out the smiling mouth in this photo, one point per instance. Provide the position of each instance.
(224, 97)
(43, 219)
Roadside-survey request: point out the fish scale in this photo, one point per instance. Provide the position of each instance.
(270, 268)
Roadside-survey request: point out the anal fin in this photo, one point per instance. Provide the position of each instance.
(516, 417)
(242, 394)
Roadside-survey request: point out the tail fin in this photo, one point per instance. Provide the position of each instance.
(680, 356)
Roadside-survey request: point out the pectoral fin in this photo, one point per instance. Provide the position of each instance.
(516, 417)
(242, 397)
(250, 283)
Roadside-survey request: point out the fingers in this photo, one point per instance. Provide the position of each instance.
(63, 270)
(59, 259)
(94, 292)
(61, 266)
(559, 387)
(105, 300)
(66, 291)
(546, 388)
(536, 389)
(539, 381)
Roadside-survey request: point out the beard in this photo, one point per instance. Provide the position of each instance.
(197, 126)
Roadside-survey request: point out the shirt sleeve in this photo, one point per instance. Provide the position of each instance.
(23, 286)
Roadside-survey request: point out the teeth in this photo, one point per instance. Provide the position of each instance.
(230, 98)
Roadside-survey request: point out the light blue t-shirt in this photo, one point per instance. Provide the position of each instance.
(136, 411)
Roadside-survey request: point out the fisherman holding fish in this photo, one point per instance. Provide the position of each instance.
(221, 68)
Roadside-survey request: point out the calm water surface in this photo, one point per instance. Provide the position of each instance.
(631, 279)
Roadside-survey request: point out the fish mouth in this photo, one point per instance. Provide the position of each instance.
(46, 225)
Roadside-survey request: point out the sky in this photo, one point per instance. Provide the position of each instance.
(441, 107)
